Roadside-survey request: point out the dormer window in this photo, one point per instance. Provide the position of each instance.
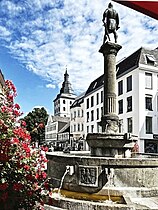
(94, 85)
(150, 60)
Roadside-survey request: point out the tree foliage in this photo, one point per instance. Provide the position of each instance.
(35, 123)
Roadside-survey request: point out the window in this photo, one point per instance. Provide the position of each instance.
(101, 96)
(87, 116)
(97, 98)
(150, 147)
(97, 113)
(129, 125)
(74, 114)
(98, 128)
(148, 125)
(74, 128)
(148, 80)
(82, 112)
(121, 126)
(87, 103)
(82, 127)
(64, 102)
(120, 105)
(129, 83)
(102, 111)
(92, 115)
(150, 60)
(78, 127)
(120, 87)
(71, 116)
(64, 109)
(129, 104)
(94, 85)
(92, 101)
(78, 113)
(87, 129)
(70, 102)
(92, 128)
(148, 103)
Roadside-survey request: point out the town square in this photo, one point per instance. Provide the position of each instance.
(78, 105)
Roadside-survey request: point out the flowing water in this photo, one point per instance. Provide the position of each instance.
(62, 180)
(110, 183)
(56, 194)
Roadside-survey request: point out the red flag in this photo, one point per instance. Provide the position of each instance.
(149, 8)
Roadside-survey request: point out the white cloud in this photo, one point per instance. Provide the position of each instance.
(50, 86)
(47, 35)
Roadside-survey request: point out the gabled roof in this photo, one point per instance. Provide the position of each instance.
(126, 65)
(52, 118)
(78, 101)
(95, 84)
(66, 128)
(129, 63)
(134, 60)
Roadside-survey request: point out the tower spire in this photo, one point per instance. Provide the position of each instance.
(66, 86)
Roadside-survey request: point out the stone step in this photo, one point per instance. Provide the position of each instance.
(47, 207)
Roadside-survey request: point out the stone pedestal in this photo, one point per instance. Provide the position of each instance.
(109, 145)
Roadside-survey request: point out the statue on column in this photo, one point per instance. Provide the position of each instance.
(110, 22)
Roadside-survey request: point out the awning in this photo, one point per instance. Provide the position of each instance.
(149, 8)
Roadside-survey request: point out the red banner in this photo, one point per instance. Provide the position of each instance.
(149, 8)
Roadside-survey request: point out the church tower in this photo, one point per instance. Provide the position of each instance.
(64, 99)
(66, 86)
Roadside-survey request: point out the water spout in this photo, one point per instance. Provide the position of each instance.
(110, 182)
(62, 180)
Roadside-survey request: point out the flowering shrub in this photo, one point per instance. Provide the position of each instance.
(22, 176)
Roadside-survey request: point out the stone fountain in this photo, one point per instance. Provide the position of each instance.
(107, 178)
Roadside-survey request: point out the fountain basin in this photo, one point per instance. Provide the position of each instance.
(95, 178)
(91, 197)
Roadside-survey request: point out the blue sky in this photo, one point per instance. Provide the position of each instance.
(39, 38)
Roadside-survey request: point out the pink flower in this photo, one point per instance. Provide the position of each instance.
(17, 186)
(17, 106)
(26, 167)
(23, 123)
(15, 141)
(3, 186)
(16, 113)
(16, 155)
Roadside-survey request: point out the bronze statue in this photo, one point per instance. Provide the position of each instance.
(111, 22)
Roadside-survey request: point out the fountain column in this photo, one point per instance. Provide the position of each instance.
(109, 143)
(109, 119)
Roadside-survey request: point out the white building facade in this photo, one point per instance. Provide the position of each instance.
(77, 121)
(137, 88)
(93, 101)
(138, 98)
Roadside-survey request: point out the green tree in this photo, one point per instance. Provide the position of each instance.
(35, 124)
